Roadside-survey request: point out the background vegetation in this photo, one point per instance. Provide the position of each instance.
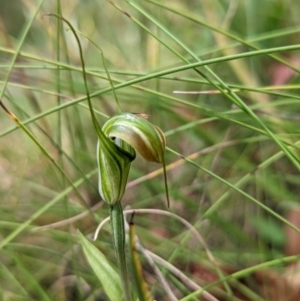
(233, 145)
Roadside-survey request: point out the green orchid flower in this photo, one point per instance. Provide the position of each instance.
(124, 133)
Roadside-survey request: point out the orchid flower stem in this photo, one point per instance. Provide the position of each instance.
(118, 236)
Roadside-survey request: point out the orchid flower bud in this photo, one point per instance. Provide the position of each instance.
(123, 134)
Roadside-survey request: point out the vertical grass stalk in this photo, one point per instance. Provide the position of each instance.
(118, 236)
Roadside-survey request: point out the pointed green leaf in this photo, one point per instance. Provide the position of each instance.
(103, 270)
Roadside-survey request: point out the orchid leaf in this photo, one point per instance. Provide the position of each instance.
(108, 277)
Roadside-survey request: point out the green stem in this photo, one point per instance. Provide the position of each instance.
(118, 233)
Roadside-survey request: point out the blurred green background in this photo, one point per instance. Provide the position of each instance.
(237, 186)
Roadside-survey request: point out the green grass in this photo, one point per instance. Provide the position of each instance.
(232, 146)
